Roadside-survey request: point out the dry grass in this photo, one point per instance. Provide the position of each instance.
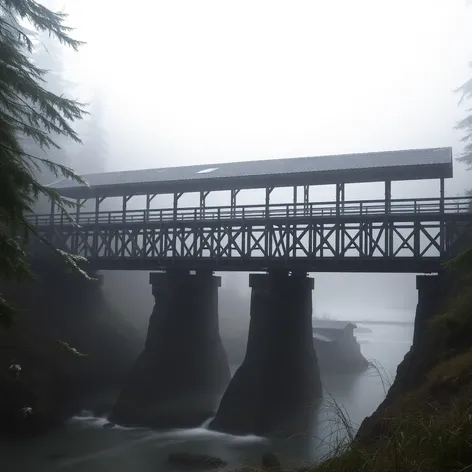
(438, 441)
(428, 429)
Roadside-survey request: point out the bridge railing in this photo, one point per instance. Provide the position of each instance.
(273, 211)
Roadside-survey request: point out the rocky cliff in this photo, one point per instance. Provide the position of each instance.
(42, 382)
(425, 421)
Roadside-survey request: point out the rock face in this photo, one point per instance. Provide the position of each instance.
(271, 462)
(53, 382)
(430, 295)
(34, 401)
(180, 376)
(429, 348)
(276, 388)
(340, 356)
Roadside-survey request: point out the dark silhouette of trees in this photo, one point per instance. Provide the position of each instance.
(30, 113)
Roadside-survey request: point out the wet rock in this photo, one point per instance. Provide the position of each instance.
(34, 402)
(271, 461)
(41, 384)
(195, 461)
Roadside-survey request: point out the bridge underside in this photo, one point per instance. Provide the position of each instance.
(397, 265)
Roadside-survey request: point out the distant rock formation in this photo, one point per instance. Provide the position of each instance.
(337, 348)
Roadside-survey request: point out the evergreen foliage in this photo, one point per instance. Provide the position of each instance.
(466, 124)
(47, 55)
(29, 111)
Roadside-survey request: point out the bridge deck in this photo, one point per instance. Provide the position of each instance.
(407, 235)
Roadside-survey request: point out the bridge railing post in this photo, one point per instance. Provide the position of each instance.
(442, 229)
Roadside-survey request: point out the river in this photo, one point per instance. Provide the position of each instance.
(86, 446)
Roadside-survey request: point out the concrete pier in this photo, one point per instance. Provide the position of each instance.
(275, 390)
(180, 376)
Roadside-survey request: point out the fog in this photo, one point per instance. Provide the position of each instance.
(185, 82)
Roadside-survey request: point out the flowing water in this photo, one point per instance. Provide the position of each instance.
(86, 446)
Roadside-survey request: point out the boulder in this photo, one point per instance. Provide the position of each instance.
(271, 461)
(195, 461)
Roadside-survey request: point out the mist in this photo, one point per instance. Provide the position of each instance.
(180, 83)
(183, 83)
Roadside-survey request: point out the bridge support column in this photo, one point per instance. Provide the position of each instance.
(183, 371)
(430, 300)
(275, 390)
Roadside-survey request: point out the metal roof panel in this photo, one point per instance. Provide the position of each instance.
(428, 163)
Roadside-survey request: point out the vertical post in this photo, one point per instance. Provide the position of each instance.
(442, 219)
(95, 230)
(97, 208)
(123, 209)
(267, 200)
(388, 196)
(149, 199)
(294, 226)
(174, 229)
(203, 196)
(306, 197)
(234, 194)
(387, 222)
(339, 228)
(268, 229)
(75, 247)
(340, 197)
(202, 205)
(176, 203)
(148, 207)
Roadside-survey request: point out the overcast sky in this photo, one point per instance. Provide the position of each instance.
(186, 82)
(216, 81)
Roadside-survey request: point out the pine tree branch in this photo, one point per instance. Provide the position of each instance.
(28, 42)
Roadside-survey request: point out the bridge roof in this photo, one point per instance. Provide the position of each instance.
(413, 164)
